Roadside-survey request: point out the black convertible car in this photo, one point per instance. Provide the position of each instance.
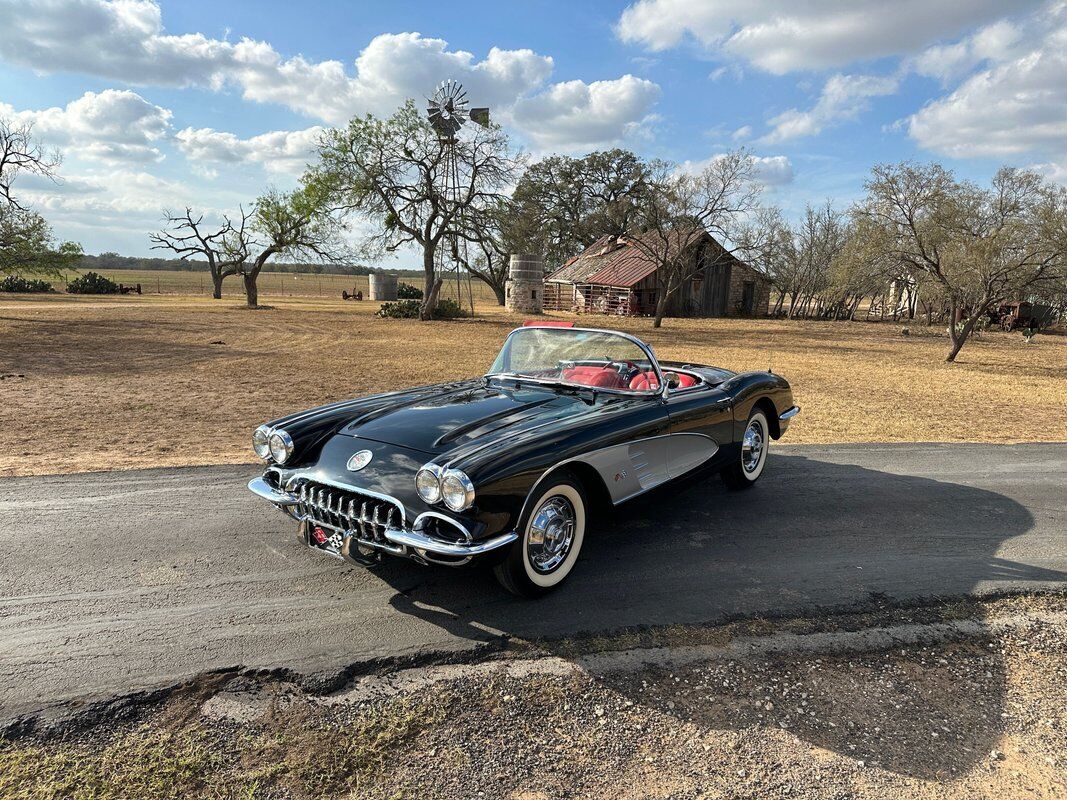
(508, 466)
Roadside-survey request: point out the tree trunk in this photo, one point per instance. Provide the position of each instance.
(430, 303)
(661, 309)
(431, 284)
(959, 337)
(251, 290)
(216, 279)
(501, 298)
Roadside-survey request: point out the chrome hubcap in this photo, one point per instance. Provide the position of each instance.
(752, 447)
(551, 534)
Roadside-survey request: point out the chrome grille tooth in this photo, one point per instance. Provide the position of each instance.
(349, 511)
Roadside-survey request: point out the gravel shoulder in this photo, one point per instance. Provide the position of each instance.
(958, 700)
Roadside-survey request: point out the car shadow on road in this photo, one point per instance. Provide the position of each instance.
(812, 536)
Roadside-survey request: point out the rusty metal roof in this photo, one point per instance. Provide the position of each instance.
(607, 262)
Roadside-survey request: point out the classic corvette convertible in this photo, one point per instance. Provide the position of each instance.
(509, 466)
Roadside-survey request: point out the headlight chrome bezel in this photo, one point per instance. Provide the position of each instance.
(466, 486)
(262, 447)
(286, 446)
(431, 471)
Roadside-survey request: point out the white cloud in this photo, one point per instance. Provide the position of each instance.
(575, 114)
(1015, 109)
(843, 98)
(780, 36)
(125, 40)
(742, 133)
(117, 127)
(278, 151)
(948, 62)
(768, 170)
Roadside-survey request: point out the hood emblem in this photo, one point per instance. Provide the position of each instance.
(359, 460)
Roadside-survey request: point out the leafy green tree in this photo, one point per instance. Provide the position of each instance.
(28, 246)
(563, 204)
(393, 173)
(304, 223)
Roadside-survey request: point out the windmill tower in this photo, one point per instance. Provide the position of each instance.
(448, 110)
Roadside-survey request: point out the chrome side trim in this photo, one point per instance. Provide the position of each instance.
(789, 413)
(260, 487)
(631, 488)
(419, 542)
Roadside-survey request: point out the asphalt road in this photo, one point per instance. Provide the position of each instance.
(115, 582)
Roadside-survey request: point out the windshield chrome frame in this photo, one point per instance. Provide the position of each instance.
(646, 349)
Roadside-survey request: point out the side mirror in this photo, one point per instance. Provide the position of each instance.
(672, 379)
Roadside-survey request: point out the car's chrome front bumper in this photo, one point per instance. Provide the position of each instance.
(402, 542)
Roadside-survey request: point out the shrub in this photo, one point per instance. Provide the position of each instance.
(16, 283)
(92, 283)
(447, 308)
(405, 291)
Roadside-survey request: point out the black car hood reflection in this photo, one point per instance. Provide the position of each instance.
(466, 415)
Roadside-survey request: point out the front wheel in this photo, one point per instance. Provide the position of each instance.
(747, 468)
(552, 536)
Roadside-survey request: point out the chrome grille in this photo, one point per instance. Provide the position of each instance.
(349, 511)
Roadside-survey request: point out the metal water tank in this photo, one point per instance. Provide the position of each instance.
(382, 286)
(525, 289)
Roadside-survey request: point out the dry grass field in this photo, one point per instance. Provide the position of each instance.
(95, 383)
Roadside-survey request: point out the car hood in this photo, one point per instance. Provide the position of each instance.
(463, 414)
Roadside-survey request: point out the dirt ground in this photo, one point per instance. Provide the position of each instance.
(959, 701)
(100, 383)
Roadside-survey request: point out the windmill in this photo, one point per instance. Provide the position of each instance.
(448, 110)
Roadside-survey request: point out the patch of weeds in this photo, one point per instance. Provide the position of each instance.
(143, 763)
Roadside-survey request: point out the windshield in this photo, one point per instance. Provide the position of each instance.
(601, 359)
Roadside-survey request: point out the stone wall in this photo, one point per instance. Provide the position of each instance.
(738, 277)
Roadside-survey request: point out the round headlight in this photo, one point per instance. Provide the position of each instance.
(281, 446)
(261, 441)
(428, 484)
(457, 490)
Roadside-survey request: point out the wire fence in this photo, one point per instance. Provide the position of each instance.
(276, 284)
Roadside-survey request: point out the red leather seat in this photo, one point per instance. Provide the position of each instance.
(594, 376)
(647, 380)
(644, 381)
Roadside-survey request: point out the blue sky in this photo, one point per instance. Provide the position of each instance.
(205, 104)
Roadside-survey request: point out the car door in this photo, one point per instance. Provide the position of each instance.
(701, 427)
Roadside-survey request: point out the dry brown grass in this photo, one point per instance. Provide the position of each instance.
(120, 382)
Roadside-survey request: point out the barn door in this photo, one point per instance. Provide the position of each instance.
(718, 276)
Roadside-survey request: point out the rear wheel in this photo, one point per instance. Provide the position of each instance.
(747, 468)
(552, 537)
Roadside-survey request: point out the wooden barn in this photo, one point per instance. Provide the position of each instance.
(613, 276)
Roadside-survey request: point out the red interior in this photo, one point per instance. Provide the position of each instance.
(644, 381)
(647, 380)
(606, 377)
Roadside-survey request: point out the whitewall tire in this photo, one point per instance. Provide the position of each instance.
(552, 536)
(749, 465)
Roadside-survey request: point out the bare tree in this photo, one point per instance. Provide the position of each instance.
(302, 224)
(978, 247)
(225, 247)
(683, 208)
(21, 153)
(393, 172)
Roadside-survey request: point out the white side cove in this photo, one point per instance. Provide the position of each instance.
(635, 467)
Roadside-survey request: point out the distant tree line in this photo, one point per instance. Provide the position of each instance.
(112, 260)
